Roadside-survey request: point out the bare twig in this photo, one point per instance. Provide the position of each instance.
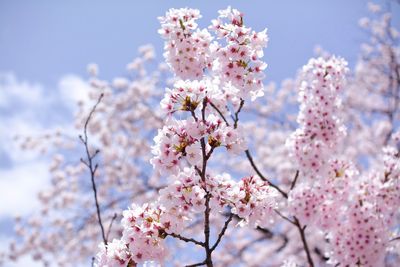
(92, 168)
(219, 112)
(110, 226)
(301, 230)
(191, 240)
(250, 158)
(284, 217)
(394, 239)
(196, 264)
(221, 234)
(320, 254)
(294, 180)
(304, 241)
(285, 242)
(236, 117)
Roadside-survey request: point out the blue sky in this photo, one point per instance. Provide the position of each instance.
(45, 47)
(42, 40)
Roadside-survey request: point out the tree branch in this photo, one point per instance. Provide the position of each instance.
(196, 264)
(191, 240)
(221, 234)
(394, 239)
(205, 157)
(219, 112)
(294, 180)
(93, 168)
(250, 158)
(236, 117)
(111, 224)
(304, 241)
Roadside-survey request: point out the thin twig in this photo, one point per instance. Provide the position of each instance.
(301, 230)
(221, 234)
(196, 264)
(191, 240)
(110, 226)
(394, 239)
(219, 112)
(93, 168)
(320, 254)
(295, 180)
(250, 158)
(285, 242)
(236, 118)
(285, 217)
(304, 241)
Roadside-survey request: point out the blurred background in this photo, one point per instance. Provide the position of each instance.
(45, 47)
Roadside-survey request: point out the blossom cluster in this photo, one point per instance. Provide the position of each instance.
(179, 140)
(142, 232)
(320, 127)
(114, 254)
(236, 64)
(360, 240)
(254, 201)
(187, 49)
(146, 227)
(355, 210)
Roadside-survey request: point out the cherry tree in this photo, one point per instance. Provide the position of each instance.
(236, 175)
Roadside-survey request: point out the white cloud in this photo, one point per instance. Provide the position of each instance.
(19, 187)
(73, 89)
(26, 110)
(12, 91)
(29, 109)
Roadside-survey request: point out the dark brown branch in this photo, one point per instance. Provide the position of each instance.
(250, 158)
(236, 117)
(284, 217)
(196, 264)
(320, 254)
(210, 152)
(189, 240)
(301, 230)
(285, 242)
(111, 224)
(304, 241)
(221, 234)
(219, 112)
(193, 115)
(93, 168)
(205, 157)
(394, 239)
(268, 233)
(294, 180)
(207, 211)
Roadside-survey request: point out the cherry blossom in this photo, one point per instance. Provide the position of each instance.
(213, 190)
